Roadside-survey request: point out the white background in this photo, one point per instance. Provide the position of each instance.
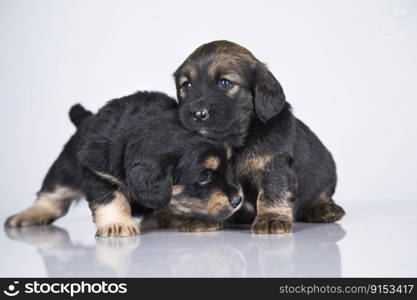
(349, 68)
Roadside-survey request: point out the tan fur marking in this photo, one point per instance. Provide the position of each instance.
(283, 208)
(233, 91)
(222, 63)
(212, 162)
(182, 80)
(216, 205)
(191, 71)
(109, 177)
(48, 207)
(117, 210)
(166, 219)
(254, 164)
(194, 225)
(182, 93)
(115, 218)
(217, 200)
(213, 68)
(226, 62)
(177, 190)
(324, 196)
(274, 218)
(59, 199)
(179, 205)
(236, 50)
(229, 152)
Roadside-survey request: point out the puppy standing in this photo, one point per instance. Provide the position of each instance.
(225, 93)
(133, 157)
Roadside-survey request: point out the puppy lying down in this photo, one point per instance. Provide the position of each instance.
(133, 157)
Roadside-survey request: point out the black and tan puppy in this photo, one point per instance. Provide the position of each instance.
(134, 157)
(226, 94)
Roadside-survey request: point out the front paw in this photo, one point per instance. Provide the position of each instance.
(199, 226)
(120, 229)
(269, 223)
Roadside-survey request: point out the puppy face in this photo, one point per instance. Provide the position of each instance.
(206, 186)
(220, 86)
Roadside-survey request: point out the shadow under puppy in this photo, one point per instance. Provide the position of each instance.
(227, 94)
(134, 157)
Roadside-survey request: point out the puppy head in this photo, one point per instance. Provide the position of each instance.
(194, 177)
(220, 86)
(205, 186)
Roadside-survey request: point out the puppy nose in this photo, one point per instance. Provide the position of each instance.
(236, 200)
(201, 115)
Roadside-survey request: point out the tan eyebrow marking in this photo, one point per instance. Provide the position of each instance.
(212, 69)
(212, 162)
(182, 80)
(192, 72)
(222, 62)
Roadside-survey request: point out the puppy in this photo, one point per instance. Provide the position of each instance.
(226, 94)
(131, 158)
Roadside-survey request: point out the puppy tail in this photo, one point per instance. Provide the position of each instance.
(78, 114)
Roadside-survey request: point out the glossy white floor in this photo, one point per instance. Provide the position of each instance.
(372, 240)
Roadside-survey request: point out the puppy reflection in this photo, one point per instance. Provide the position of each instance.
(312, 252)
(64, 258)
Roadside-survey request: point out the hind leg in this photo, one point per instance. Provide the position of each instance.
(60, 187)
(323, 210)
(49, 206)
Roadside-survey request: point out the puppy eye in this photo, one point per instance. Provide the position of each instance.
(224, 84)
(205, 178)
(187, 85)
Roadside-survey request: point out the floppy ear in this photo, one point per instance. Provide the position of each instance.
(149, 184)
(269, 96)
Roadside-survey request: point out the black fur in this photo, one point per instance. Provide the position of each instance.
(139, 140)
(78, 114)
(136, 145)
(258, 122)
